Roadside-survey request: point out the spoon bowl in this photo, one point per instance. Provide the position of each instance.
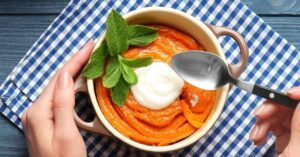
(207, 71)
(204, 70)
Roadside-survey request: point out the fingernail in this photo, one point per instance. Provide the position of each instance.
(259, 110)
(64, 80)
(254, 132)
(90, 42)
(294, 90)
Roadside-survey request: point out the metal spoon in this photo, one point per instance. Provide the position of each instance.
(207, 71)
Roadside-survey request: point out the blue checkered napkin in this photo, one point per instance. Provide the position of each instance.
(273, 62)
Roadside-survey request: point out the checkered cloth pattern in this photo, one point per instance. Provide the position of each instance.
(273, 62)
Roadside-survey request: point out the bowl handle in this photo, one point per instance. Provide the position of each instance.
(235, 69)
(95, 125)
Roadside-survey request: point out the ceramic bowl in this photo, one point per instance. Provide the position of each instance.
(206, 35)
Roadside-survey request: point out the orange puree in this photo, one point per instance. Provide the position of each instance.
(171, 124)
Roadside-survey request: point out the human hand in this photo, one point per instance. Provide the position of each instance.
(49, 125)
(283, 122)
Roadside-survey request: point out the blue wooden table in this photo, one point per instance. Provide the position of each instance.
(22, 22)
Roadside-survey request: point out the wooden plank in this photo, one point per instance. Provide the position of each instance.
(12, 140)
(17, 34)
(274, 7)
(32, 6)
(287, 27)
(270, 7)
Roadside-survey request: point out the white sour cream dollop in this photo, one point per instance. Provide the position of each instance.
(158, 86)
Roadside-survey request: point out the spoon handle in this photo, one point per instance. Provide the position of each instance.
(270, 94)
(274, 96)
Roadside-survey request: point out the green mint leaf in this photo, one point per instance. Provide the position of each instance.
(141, 35)
(113, 73)
(138, 62)
(119, 92)
(116, 33)
(128, 73)
(96, 64)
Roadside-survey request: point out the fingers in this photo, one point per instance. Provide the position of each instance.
(272, 116)
(65, 129)
(266, 110)
(73, 66)
(269, 117)
(282, 142)
(279, 129)
(64, 101)
(76, 63)
(24, 121)
(295, 128)
(294, 93)
(51, 115)
(260, 131)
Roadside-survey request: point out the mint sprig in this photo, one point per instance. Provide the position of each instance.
(119, 93)
(116, 33)
(119, 74)
(96, 65)
(138, 62)
(141, 35)
(128, 73)
(113, 73)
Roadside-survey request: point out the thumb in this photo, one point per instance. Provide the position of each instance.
(294, 93)
(64, 102)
